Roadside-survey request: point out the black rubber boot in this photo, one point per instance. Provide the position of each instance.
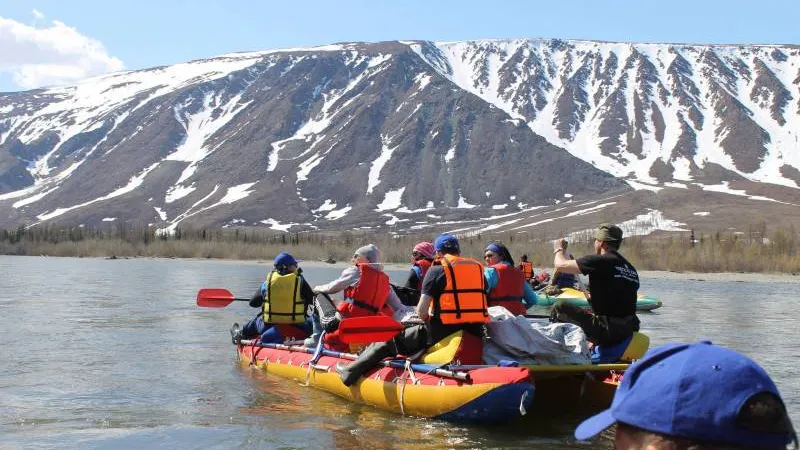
(368, 359)
(236, 334)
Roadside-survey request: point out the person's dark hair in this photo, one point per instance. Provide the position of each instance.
(613, 245)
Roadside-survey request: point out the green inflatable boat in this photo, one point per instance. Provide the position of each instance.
(577, 298)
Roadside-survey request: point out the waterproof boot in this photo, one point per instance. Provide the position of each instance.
(236, 334)
(372, 355)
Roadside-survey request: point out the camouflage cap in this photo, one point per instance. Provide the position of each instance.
(607, 232)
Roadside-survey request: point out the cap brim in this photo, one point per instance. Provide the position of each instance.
(594, 425)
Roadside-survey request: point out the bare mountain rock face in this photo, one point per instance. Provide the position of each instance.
(405, 136)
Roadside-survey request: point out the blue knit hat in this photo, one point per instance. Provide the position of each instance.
(446, 242)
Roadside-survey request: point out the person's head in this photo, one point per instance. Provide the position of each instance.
(285, 263)
(423, 250)
(524, 258)
(446, 244)
(496, 253)
(608, 237)
(367, 254)
(698, 396)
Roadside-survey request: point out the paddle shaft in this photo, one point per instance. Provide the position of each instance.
(462, 376)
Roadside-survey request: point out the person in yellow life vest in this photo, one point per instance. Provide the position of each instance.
(284, 298)
(526, 267)
(505, 283)
(366, 292)
(453, 299)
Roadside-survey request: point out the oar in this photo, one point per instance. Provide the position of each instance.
(537, 316)
(395, 364)
(377, 328)
(216, 298)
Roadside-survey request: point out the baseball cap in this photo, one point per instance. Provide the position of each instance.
(446, 241)
(697, 391)
(607, 232)
(285, 259)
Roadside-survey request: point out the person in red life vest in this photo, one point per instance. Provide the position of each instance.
(453, 299)
(284, 298)
(366, 291)
(526, 267)
(423, 258)
(505, 283)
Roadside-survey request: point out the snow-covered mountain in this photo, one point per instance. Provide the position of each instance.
(405, 135)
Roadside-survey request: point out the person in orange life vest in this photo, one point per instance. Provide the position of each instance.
(453, 298)
(366, 291)
(284, 296)
(505, 283)
(526, 267)
(423, 258)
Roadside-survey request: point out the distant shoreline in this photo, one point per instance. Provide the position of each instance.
(714, 277)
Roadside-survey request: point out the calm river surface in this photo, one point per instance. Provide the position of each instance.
(114, 354)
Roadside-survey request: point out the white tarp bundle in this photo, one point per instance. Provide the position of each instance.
(517, 338)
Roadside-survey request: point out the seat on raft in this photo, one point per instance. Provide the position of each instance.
(626, 351)
(460, 346)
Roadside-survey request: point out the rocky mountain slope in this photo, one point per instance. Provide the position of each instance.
(408, 135)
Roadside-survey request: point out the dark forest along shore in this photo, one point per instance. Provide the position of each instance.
(114, 354)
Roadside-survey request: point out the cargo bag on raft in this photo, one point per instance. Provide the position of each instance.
(515, 337)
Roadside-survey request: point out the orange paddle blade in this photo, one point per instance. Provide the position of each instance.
(214, 298)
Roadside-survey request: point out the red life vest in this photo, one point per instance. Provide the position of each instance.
(424, 265)
(527, 269)
(464, 297)
(368, 296)
(509, 290)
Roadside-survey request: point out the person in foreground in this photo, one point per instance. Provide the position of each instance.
(696, 396)
(284, 298)
(453, 298)
(505, 283)
(614, 283)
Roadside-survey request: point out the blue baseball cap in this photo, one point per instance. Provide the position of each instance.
(694, 391)
(446, 241)
(285, 259)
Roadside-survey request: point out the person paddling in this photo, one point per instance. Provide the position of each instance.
(366, 292)
(284, 298)
(694, 396)
(505, 283)
(614, 283)
(453, 299)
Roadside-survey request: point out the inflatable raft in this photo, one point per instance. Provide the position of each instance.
(486, 394)
(577, 298)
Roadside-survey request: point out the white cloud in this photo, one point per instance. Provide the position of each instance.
(58, 54)
(37, 14)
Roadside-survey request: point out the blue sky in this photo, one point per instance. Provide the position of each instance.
(45, 42)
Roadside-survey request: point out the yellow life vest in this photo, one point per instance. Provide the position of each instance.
(283, 303)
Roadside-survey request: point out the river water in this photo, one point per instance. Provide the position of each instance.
(114, 354)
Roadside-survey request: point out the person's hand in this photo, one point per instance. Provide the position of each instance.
(558, 244)
(257, 300)
(316, 290)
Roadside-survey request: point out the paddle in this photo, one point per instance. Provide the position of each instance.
(216, 298)
(537, 316)
(397, 364)
(377, 328)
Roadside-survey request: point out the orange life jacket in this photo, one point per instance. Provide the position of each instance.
(368, 296)
(509, 290)
(464, 297)
(527, 269)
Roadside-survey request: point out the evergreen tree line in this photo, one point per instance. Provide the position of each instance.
(757, 250)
